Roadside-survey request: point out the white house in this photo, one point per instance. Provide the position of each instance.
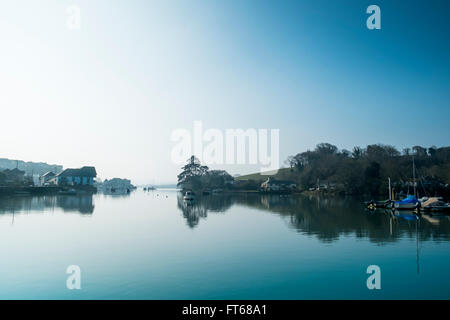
(47, 178)
(278, 185)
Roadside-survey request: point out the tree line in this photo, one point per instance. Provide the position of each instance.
(197, 177)
(366, 170)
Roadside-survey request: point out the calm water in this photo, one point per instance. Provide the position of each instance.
(152, 246)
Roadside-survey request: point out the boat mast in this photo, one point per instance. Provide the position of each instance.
(417, 247)
(390, 190)
(414, 178)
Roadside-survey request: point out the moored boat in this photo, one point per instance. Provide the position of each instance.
(409, 203)
(435, 204)
(70, 192)
(378, 204)
(189, 196)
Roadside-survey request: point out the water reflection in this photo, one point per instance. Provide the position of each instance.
(193, 211)
(116, 193)
(79, 203)
(82, 203)
(328, 219)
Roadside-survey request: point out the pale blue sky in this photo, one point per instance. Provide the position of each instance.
(111, 94)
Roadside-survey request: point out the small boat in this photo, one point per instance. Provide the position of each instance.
(372, 204)
(189, 196)
(409, 203)
(435, 204)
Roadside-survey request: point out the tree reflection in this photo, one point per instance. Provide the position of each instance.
(328, 219)
(195, 210)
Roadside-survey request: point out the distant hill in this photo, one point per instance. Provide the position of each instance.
(282, 174)
(29, 167)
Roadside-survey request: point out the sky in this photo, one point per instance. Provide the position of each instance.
(112, 93)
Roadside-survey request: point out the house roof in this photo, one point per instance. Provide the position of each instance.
(82, 172)
(49, 174)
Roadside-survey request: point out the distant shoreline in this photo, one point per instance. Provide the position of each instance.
(52, 190)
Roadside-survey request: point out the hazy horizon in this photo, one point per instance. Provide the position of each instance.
(174, 181)
(110, 94)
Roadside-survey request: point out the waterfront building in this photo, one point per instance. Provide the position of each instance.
(278, 185)
(77, 177)
(47, 178)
